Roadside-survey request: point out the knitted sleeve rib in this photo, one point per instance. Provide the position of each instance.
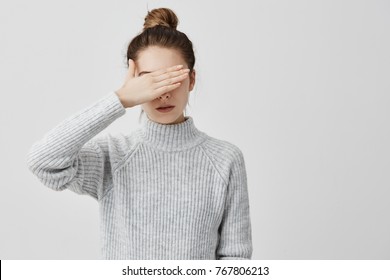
(68, 158)
(235, 229)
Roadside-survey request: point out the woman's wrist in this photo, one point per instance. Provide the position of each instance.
(122, 100)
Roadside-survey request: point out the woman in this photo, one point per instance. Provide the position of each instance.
(166, 190)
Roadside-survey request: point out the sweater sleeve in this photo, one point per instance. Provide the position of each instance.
(68, 157)
(235, 229)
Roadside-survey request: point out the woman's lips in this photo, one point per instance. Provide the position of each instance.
(166, 109)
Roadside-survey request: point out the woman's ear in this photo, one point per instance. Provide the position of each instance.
(192, 80)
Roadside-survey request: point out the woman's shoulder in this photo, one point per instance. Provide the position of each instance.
(223, 154)
(117, 145)
(221, 149)
(118, 141)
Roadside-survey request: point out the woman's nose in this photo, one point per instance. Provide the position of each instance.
(165, 96)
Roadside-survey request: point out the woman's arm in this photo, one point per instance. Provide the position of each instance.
(235, 229)
(68, 158)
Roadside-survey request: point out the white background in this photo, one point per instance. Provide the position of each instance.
(302, 87)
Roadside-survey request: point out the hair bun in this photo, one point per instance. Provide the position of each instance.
(161, 16)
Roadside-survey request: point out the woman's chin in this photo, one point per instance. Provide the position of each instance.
(168, 119)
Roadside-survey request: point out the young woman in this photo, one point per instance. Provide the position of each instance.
(166, 190)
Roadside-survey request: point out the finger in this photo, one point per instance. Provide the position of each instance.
(170, 75)
(165, 70)
(171, 81)
(160, 91)
(131, 70)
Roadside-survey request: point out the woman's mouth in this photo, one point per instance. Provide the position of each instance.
(165, 109)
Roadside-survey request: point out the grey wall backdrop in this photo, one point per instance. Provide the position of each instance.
(302, 87)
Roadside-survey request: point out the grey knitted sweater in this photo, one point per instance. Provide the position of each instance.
(164, 191)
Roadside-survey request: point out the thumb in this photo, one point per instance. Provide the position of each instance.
(131, 71)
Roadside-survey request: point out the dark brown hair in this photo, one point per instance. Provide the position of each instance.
(160, 30)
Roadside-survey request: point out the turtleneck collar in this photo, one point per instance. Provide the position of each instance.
(171, 137)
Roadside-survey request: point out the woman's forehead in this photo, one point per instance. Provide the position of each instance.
(155, 58)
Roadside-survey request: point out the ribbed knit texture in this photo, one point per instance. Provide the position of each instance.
(164, 191)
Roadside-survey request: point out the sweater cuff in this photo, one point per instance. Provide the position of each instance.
(112, 103)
